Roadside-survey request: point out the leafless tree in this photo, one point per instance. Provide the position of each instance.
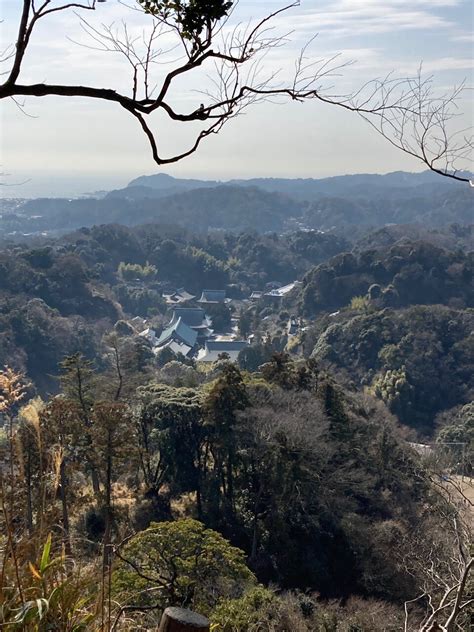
(443, 564)
(407, 111)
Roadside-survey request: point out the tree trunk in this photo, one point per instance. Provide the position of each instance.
(65, 511)
(29, 502)
(108, 502)
(181, 620)
(95, 481)
(198, 486)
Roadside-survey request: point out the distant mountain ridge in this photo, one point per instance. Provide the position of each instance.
(349, 204)
(399, 183)
(165, 181)
(234, 208)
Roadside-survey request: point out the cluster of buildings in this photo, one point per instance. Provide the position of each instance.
(190, 332)
(208, 297)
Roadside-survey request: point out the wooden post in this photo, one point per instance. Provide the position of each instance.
(181, 620)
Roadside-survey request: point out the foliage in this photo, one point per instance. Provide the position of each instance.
(359, 303)
(418, 360)
(261, 610)
(192, 16)
(136, 272)
(315, 487)
(395, 390)
(253, 356)
(255, 609)
(220, 315)
(12, 389)
(53, 593)
(408, 273)
(190, 566)
(456, 438)
(169, 426)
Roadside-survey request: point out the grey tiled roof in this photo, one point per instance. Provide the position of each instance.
(191, 316)
(212, 296)
(225, 345)
(178, 331)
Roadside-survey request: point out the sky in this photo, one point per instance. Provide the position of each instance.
(56, 146)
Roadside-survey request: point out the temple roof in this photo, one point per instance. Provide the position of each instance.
(212, 296)
(214, 348)
(194, 317)
(178, 331)
(180, 296)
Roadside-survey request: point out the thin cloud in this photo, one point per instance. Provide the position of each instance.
(357, 18)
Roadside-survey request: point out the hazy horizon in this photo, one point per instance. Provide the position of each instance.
(76, 185)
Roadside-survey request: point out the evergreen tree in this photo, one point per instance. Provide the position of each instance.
(227, 396)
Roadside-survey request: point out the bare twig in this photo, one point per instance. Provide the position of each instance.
(405, 111)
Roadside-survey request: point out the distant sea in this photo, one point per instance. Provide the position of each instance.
(24, 185)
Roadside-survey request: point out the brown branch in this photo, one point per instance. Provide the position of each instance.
(403, 111)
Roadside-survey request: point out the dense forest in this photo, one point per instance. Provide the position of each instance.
(318, 483)
(231, 488)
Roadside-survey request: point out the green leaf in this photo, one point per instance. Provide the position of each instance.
(45, 556)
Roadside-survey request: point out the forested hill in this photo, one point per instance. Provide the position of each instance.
(222, 208)
(406, 273)
(397, 321)
(360, 185)
(352, 204)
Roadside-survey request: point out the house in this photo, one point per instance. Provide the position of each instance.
(214, 348)
(178, 337)
(273, 285)
(283, 291)
(195, 318)
(213, 297)
(256, 296)
(179, 297)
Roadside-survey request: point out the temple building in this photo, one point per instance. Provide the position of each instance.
(214, 348)
(213, 297)
(195, 318)
(178, 337)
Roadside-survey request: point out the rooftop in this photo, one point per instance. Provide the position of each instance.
(282, 291)
(212, 296)
(175, 346)
(194, 317)
(178, 331)
(180, 296)
(214, 348)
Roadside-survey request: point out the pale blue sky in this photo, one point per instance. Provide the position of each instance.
(69, 146)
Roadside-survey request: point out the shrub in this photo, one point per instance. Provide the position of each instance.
(181, 563)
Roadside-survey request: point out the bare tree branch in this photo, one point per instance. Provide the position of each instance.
(405, 111)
